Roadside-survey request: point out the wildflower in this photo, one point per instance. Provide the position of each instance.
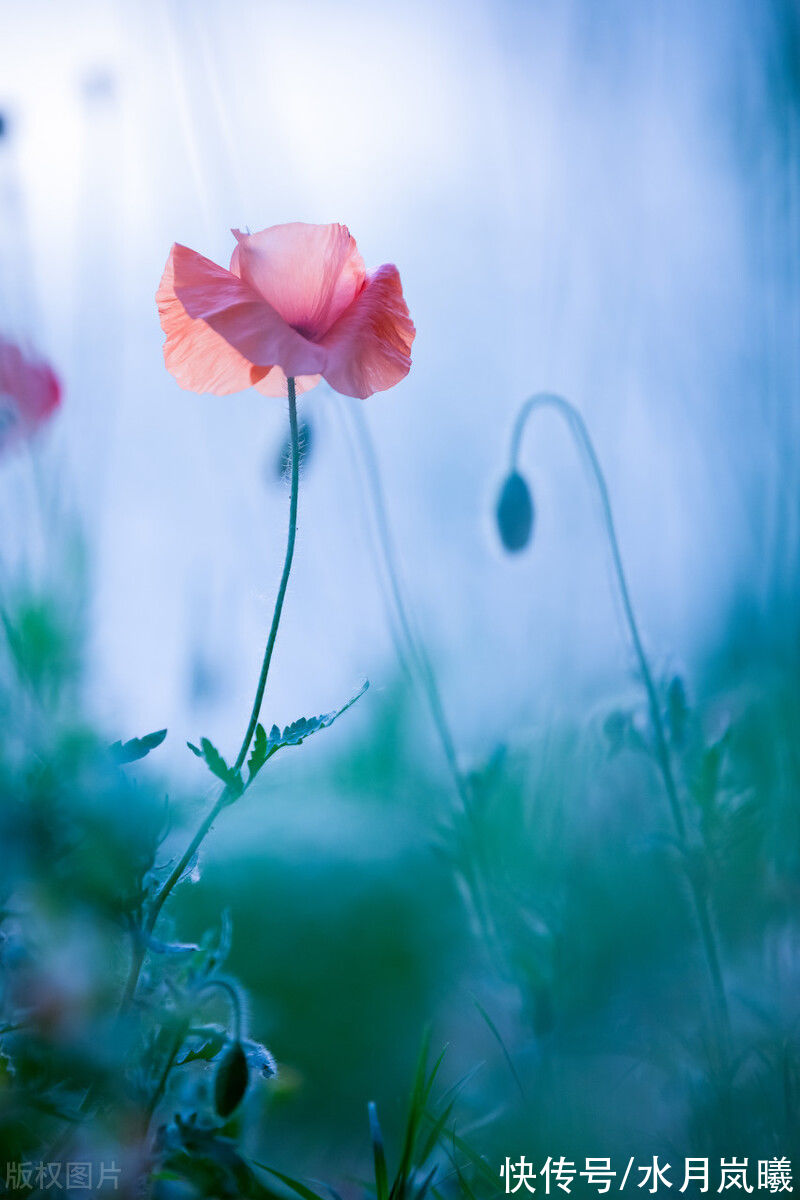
(29, 393)
(296, 302)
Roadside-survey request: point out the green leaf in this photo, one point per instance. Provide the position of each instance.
(218, 767)
(210, 1042)
(136, 748)
(498, 1038)
(379, 1154)
(214, 760)
(477, 1161)
(294, 1184)
(266, 744)
(420, 1095)
(258, 754)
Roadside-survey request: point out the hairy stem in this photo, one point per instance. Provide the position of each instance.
(182, 1030)
(161, 1086)
(140, 946)
(580, 433)
(230, 991)
(287, 566)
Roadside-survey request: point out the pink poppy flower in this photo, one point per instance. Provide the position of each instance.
(296, 301)
(29, 393)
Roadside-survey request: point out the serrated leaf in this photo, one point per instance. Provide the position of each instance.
(136, 748)
(258, 754)
(218, 767)
(214, 760)
(267, 744)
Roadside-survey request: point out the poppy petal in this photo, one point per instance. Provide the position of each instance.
(241, 316)
(30, 392)
(200, 359)
(30, 383)
(369, 346)
(274, 383)
(309, 273)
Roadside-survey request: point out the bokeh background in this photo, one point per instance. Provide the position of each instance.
(601, 200)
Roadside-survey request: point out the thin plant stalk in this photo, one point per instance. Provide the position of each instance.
(580, 433)
(415, 654)
(224, 798)
(414, 645)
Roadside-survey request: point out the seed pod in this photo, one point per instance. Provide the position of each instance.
(231, 1079)
(515, 513)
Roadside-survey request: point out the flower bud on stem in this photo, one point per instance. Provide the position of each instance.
(580, 434)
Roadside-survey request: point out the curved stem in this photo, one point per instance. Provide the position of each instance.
(180, 1037)
(420, 663)
(414, 645)
(580, 433)
(232, 994)
(140, 947)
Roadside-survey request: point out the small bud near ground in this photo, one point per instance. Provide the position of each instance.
(230, 1083)
(515, 513)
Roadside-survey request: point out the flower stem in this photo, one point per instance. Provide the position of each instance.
(414, 646)
(580, 433)
(179, 1037)
(233, 996)
(140, 946)
(287, 566)
(415, 658)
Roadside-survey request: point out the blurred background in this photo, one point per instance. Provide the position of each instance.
(599, 200)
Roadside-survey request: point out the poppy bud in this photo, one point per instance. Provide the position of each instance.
(231, 1079)
(515, 513)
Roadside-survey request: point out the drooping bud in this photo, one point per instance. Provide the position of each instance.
(230, 1083)
(515, 513)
